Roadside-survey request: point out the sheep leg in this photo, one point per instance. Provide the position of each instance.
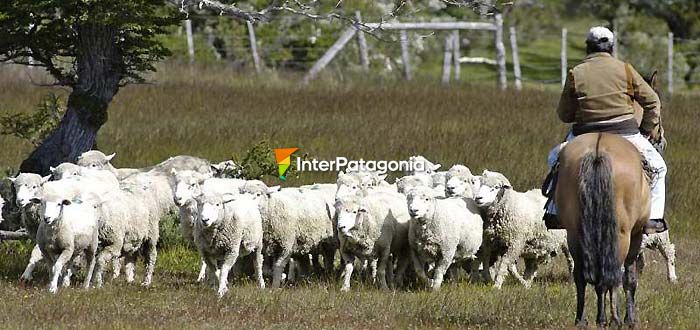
(569, 259)
(66, 276)
(259, 261)
(441, 268)
(35, 258)
(668, 251)
(57, 268)
(347, 273)
(381, 266)
(530, 272)
(390, 271)
(278, 268)
(328, 259)
(509, 258)
(129, 267)
(513, 270)
(202, 271)
(401, 266)
(151, 257)
(116, 267)
(484, 255)
(90, 259)
(419, 268)
(373, 270)
(103, 257)
(226, 266)
(212, 270)
(292, 273)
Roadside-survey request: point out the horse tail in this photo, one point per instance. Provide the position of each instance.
(598, 220)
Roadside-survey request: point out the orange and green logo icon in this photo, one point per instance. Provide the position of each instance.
(283, 156)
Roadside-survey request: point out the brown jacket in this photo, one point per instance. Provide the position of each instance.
(599, 90)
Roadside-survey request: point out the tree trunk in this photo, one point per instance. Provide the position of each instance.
(99, 71)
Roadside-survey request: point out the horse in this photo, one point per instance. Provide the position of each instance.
(603, 200)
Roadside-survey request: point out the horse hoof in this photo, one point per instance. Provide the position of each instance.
(582, 324)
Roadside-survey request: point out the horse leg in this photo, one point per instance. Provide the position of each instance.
(630, 279)
(580, 296)
(600, 292)
(614, 308)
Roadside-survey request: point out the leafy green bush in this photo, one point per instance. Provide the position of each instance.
(34, 127)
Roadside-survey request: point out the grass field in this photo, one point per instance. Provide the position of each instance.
(215, 114)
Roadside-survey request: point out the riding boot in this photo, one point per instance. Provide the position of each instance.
(655, 226)
(551, 221)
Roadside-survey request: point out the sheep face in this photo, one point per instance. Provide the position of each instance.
(65, 171)
(187, 186)
(460, 185)
(27, 186)
(349, 211)
(257, 190)
(211, 208)
(94, 159)
(51, 209)
(490, 187)
(348, 185)
(422, 165)
(420, 203)
(225, 169)
(407, 184)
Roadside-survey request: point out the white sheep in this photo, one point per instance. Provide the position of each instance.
(660, 242)
(420, 165)
(189, 185)
(295, 222)
(228, 227)
(406, 184)
(95, 159)
(27, 186)
(371, 228)
(130, 225)
(460, 184)
(442, 231)
(69, 229)
(360, 184)
(513, 222)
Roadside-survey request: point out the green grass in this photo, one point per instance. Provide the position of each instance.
(216, 113)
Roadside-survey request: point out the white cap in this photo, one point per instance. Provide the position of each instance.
(599, 34)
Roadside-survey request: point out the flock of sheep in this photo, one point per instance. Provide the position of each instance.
(427, 225)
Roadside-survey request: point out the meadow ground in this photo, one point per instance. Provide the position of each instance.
(216, 114)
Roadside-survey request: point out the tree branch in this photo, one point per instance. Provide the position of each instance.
(13, 235)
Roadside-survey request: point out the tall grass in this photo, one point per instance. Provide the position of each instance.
(216, 113)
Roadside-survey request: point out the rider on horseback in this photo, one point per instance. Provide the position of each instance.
(603, 94)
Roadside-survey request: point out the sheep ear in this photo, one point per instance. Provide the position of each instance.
(109, 158)
(45, 179)
(273, 189)
(52, 169)
(228, 198)
(436, 167)
(215, 167)
(12, 179)
(381, 177)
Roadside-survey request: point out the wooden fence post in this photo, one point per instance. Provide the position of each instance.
(330, 54)
(500, 53)
(670, 63)
(253, 46)
(362, 44)
(516, 59)
(447, 60)
(190, 40)
(564, 63)
(403, 37)
(456, 54)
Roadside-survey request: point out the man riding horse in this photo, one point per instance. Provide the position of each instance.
(603, 94)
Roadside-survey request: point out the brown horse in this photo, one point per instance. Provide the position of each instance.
(603, 202)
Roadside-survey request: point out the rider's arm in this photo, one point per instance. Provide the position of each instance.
(568, 104)
(649, 100)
